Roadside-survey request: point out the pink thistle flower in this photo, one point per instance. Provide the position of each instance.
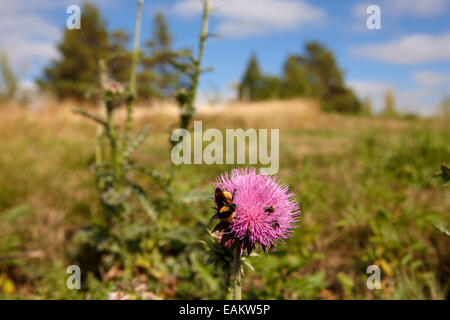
(266, 211)
(114, 87)
(113, 94)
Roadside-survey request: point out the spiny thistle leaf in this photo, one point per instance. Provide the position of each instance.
(90, 116)
(147, 205)
(136, 142)
(155, 175)
(141, 195)
(115, 197)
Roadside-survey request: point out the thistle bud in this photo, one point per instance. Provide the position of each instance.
(182, 97)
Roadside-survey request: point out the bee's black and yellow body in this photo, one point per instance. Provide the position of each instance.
(224, 205)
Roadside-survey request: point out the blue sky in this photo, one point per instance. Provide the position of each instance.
(410, 54)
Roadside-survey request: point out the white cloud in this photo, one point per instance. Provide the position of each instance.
(369, 88)
(422, 98)
(416, 48)
(249, 17)
(375, 90)
(22, 51)
(408, 8)
(24, 34)
(431, 79)
(27, 38)
(418, 8)
(393, 10)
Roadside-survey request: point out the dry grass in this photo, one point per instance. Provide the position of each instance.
(44, 155)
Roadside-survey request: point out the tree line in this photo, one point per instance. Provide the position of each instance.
(312, 74)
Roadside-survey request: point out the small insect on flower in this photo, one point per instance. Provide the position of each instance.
(261, 211)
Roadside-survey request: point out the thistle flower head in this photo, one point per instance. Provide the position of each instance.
(113, 94)
(114, 88)
(266, 210)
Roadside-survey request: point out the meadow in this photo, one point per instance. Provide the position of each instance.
(367, 186)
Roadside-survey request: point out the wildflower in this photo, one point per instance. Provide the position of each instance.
(113, 94)
(265, 213)
(114, 88)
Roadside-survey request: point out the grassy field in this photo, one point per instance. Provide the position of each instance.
(366, 186)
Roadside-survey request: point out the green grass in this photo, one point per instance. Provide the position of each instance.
(368, 195)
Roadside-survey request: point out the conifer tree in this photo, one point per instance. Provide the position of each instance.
(327, 80)
(119, 57)
(250, 86)
(389, 104)
(325, 75)
(160, 78)
(295, 79)
(444, 106)
(366, 108)
(76, 71)
(8, 80)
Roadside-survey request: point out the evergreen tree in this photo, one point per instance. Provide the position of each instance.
(159, 77)
(327, 80)
(342, 100)
(8, 80)
(162, 39)
(269, 88)
(251, 85)
(315, 73)
(389, 104)
(366, 108)
(324, 74)
(76, 71)
(295, 79)
(119, 58)
(444, 107)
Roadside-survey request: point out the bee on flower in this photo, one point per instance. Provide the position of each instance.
(254, 209)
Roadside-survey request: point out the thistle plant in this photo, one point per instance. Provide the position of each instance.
(113, 157)
(192, 68)
(265, 214)
(124, 235)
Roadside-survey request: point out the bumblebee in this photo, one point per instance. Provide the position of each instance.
(225, 208)
(269, 210)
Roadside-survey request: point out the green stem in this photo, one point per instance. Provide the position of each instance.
(197, 64)
(228, 287)
(113, 145)
(98, 145)
(237, 273)
(135, 60)
(110, 130)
